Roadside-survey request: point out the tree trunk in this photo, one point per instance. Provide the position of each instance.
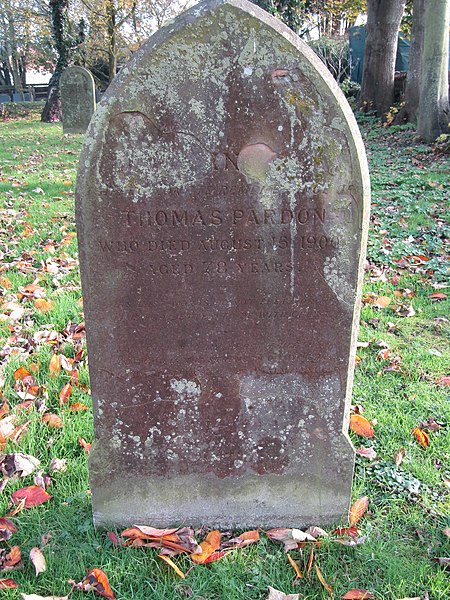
(412, 91)
(433, 114)
(14, 58)
(112, 41)
(52, 108)
(383, 23)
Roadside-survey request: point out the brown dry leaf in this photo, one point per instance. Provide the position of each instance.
(8, 583)
(97, 580)
(65, 394)
(399, 455)
(357, 510)
(84, 444)
(7, 528)
(52, 420)
(357, 594)
(246, 538)
(361, 426)
(43, 305)
(58, 464)
(33, 496)
(5, 282)
(114, 539)
(277, 595)
(170, 562)
(347, 531)
(382, 302)
(78, 407)
(446, 531)
(444, 380)
(7, 427)
(421, 437)
(289, 537)
(431, 425)
(326, 585)
(12, 559)
(54, 366)
(436, 297)
(351, 541)
(309, 564)
(38, 560)
(295, 566)
(18, 464)
(368, 453)
(316, 532)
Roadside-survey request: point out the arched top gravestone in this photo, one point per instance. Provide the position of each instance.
(77, 99)
(222, 208)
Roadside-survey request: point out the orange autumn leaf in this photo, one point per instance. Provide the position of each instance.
(52, 420)
(326, 585)
(295, 566)
(209, 545)
(357, 510)
(65, 394)
(214, 556)
(244, 539)
(357, 594)
(444, 380)
(382, 302)
(54, 366)
(361, 426)
(437, 296)
(78, 406)
(84, 444)
(5, 282)
(97, 580)
(7, 583)
(13, 558)
(43, 305)
(32, 495)
(170, 562)
(421, 437)
(21, 373)
(309, 564)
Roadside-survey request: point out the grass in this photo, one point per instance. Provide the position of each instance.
(407, 257)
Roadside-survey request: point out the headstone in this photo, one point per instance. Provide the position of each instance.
(77, 99)
(222, 208)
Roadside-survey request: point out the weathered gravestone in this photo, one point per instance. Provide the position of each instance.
(222, 215)
(77, 99)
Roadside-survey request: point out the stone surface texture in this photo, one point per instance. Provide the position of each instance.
(222, 208)
(77, 99)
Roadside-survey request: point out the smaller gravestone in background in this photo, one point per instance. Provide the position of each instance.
(77, 99)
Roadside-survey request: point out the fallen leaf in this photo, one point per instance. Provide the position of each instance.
(97, 580)
(382, 302)
(446, 531)
(12, 559)
(444, 380)
(244, 539)
(347, 531)
(361, 426)
(18, 464)
(114, 539)
(437, 296)
(78, 407)
(33, 496)
(84, 444)
(326, 585)
(316, 532)
(8, 584)
(277, 595)
(65, 394)
(58, 464)
(399, 456)
(289, 537)
(5, 282)
(36, 597)
(38, 560)
(7, 528)
(170, 562)
(43, 305)
(295, 566)
(431, 425)
(54, 365)
(21, 373)
(209, 545)
(309, 564)
(358, 509)
(357, 594)
(351, 541)
(421, 437)
(52, 420)
(369, 453)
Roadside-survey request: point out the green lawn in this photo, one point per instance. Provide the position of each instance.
(404, 357)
